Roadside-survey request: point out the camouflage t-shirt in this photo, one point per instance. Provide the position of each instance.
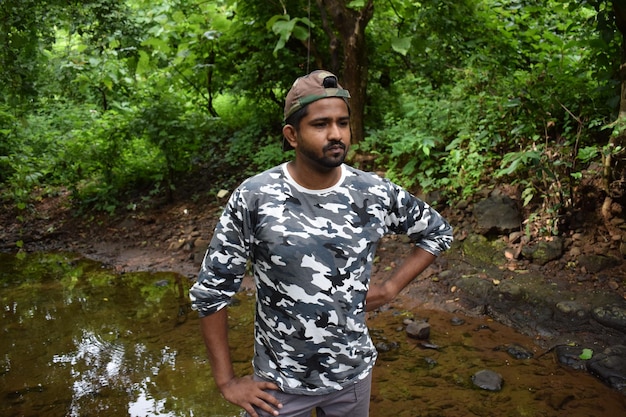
(311, 252)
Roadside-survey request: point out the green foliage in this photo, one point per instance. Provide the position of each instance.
(285, 27)
(522, 103)
(254, 143)
(123, 100)
(8, 124)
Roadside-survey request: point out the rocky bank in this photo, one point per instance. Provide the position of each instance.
(568, 292)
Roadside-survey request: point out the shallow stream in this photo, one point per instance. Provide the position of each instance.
(80, 340)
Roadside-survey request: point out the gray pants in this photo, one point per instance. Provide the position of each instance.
(352, 401)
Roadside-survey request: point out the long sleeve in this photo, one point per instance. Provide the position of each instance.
(426, 228)
(224, 263)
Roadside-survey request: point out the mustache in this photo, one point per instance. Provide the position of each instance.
(335, 143)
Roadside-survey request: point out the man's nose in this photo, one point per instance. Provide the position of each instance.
(335, 131)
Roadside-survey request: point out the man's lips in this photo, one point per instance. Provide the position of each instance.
(336, 147)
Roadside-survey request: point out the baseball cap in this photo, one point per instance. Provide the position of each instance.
(312, 87)
(305, 90)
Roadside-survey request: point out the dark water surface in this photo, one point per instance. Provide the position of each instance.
(79, 340)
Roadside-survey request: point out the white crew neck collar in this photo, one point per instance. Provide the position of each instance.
(300, 188)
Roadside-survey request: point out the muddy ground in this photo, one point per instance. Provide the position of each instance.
(173, 236)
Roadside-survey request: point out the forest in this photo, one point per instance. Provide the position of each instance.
(119, 102)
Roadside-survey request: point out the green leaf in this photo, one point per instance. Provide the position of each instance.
(356, 4)
(284, 28)
(143, 63)
(158, 44)
(300, 33)
(586, 354)
(178, 16)
(270, 23)
(401, 45)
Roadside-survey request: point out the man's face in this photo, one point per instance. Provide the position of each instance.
(324, 134)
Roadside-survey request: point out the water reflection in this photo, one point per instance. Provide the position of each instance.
(95, 364)
(79, 340)
(144, 405)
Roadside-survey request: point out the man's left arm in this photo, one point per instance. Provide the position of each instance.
(411, 267)
(431, 234)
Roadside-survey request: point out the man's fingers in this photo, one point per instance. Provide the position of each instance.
(262, 405)
(268, 385)
(269, 398)
(250, 411)
(252, 395)
(266, 400)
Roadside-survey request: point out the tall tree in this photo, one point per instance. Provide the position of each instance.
(346, 34)
(23, 31)
(615, 164)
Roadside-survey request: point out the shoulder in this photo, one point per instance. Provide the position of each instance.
(269, 176)
(356, 174)
(267, 185)
(264, 182)
(365, 180)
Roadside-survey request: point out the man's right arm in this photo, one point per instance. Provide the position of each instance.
(244, 392)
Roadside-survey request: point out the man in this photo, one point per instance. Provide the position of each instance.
(310, 228)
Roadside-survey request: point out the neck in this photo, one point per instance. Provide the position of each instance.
(313, 179)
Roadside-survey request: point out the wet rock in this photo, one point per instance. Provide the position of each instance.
(447, 274)
(610, 367)
(201, 245)
(462, 205)
(575, 252)
(418, 330)
(488, 380)
(516, 237)
(384, 347)
(572, 308)
(510, 290)
(516, 351)
(613, 285)
(478, 247)
(428, 345)
(497, 214)
(176, 245)
(199, 249)
(478, 290)
(544, 251)
(430, 362)
(613, 316)
(596, 263)
(571, 356)
(457, 321)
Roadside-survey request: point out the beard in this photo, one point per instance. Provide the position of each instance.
(332, 156)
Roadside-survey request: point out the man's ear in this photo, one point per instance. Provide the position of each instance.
(289, 132)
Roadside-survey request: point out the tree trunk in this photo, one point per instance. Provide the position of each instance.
(619, 9)
(209, 82)
(615, 164)
(349, 36)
